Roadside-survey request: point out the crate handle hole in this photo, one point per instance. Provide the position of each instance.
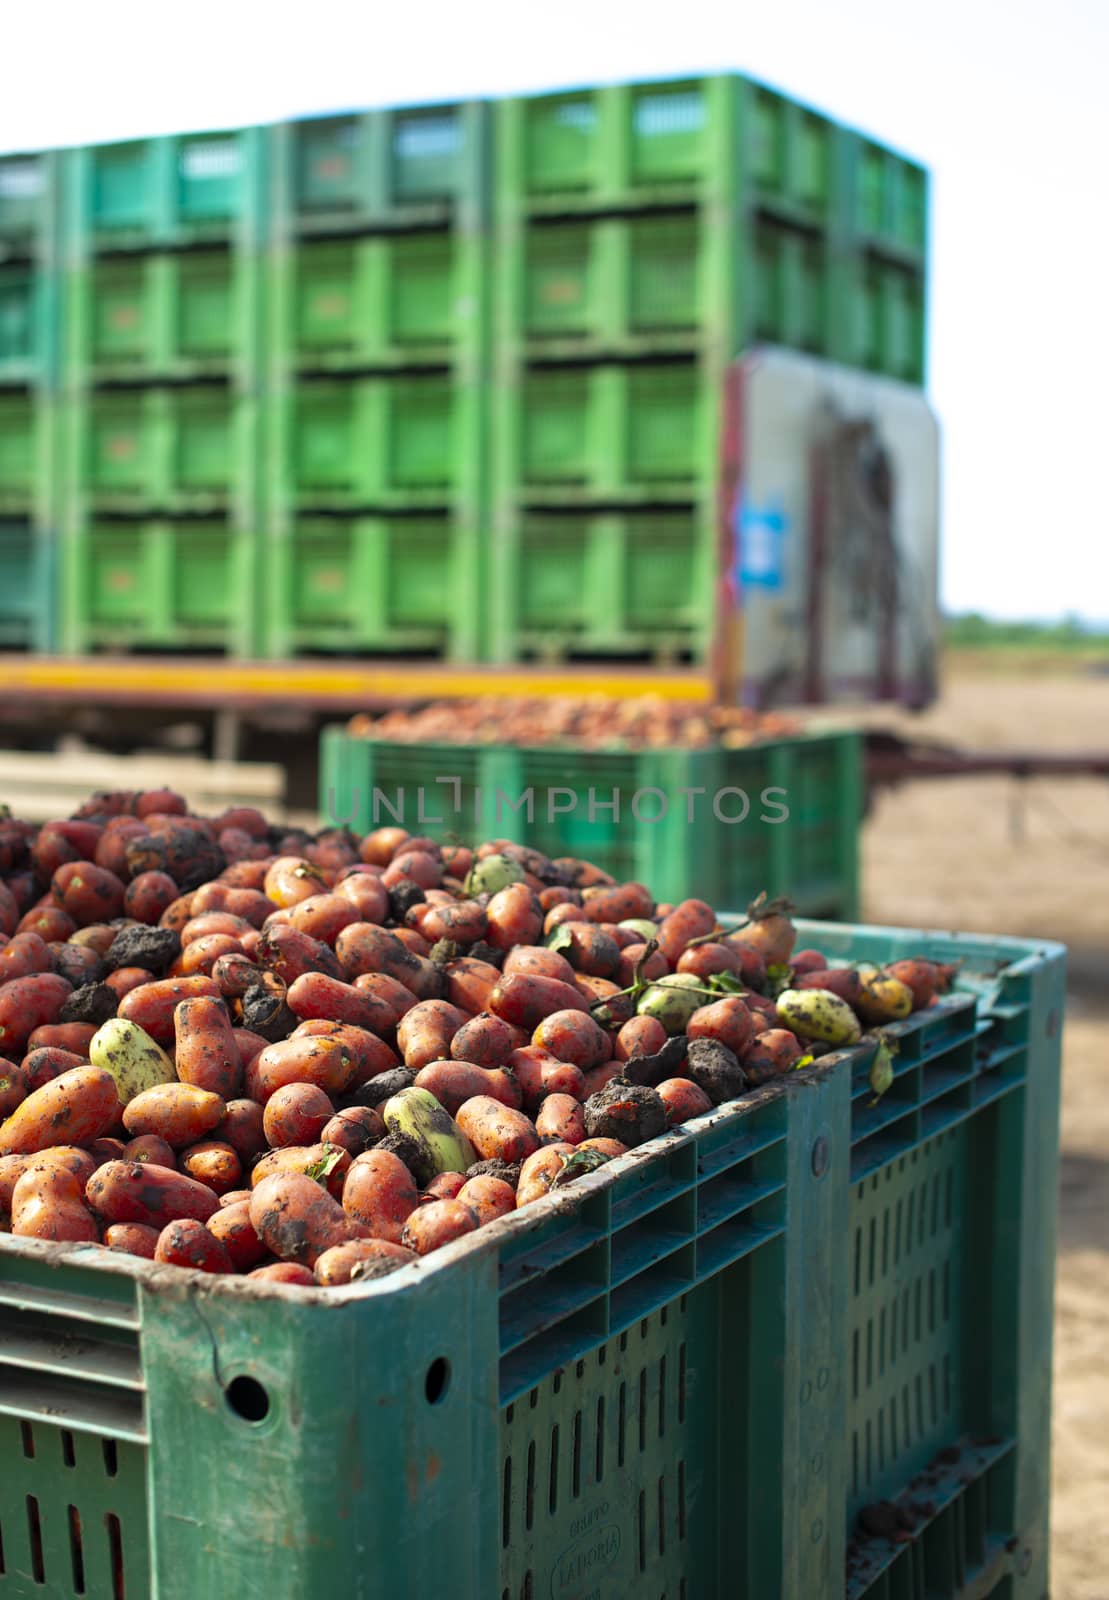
(248, 1399)
(437, 1381)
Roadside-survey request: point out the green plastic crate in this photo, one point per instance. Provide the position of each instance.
(368, 584)
(372, 441)
(644, 1385)
(20, 436)
(685, 822)
(26, 586)
(611, 431)
(161, 583)
(26, 201)
(592, 1408)
(648, 284)
(401, 298)
(180, 189)
(29, 314)
(614, 279)
(406, 166)
(190, 448)
(19, 322)
(887, 325)
(583, 582)
(634, 144)
(29, 276)
(792, 291)
(889, 200)
(948, 1259)
(164, 315)
(792, 152)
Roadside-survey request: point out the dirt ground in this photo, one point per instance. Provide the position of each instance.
(995, 855)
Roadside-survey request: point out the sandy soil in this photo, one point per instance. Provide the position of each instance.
(995, 855)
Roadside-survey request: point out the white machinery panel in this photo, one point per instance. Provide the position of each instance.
(829, 533)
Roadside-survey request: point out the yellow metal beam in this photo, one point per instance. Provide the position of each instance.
(44, 676)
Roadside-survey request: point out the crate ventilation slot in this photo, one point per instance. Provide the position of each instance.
(577, 114)
(424, 138)
(660, 115)
(212, 158)
(20, 180)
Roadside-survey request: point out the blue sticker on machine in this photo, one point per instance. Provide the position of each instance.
(760, 545)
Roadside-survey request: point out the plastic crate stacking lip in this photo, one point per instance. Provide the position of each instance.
(699, 1371)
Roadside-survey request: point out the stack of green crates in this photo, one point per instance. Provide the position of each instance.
(440, 379)
(647, 233)
(376, 369)
(28, 371)
(161, 346)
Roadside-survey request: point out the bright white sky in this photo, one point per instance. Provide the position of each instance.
(1004, 100)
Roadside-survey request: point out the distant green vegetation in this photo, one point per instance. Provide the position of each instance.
(972, 631)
